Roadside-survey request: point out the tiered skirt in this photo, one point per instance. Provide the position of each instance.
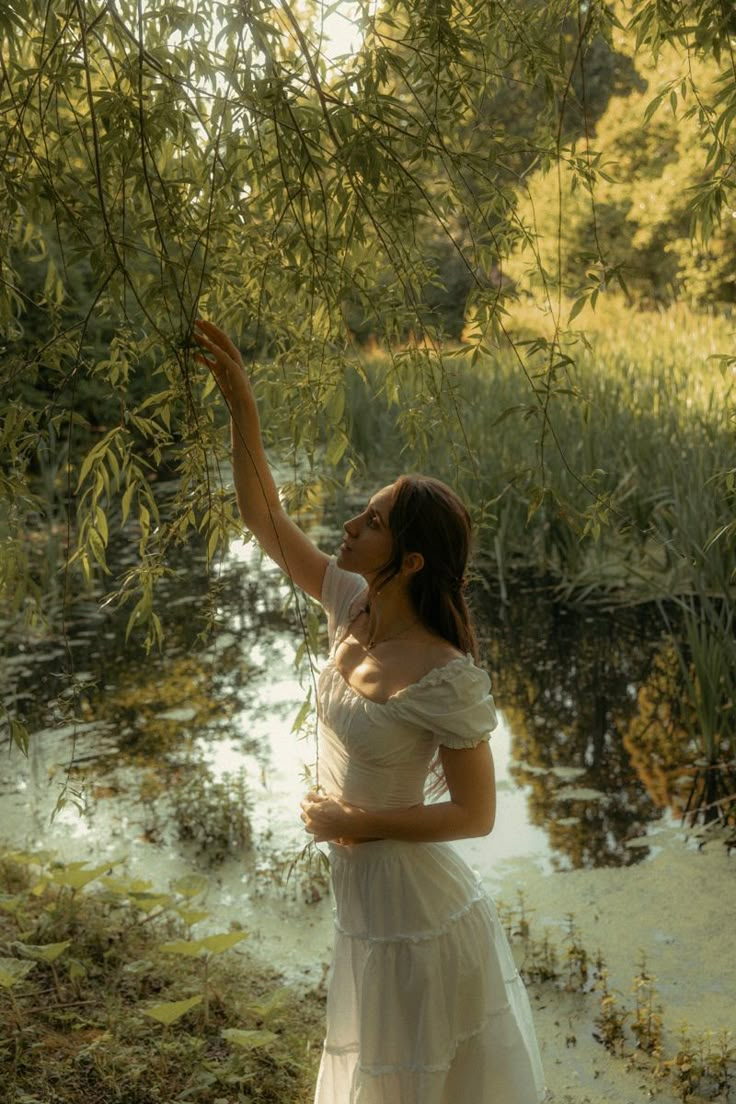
(425, 1004)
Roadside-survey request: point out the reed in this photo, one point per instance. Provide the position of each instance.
(617, 494)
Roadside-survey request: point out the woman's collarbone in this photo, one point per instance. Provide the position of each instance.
(389, 667)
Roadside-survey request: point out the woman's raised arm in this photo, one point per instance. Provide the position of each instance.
(257, 495)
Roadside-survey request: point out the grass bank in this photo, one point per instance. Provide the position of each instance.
(107, 995)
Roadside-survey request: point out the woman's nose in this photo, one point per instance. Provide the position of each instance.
(349, 527)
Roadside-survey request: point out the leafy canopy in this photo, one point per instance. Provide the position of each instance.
(164, 161)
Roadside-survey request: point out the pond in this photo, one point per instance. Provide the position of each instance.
(189, 758)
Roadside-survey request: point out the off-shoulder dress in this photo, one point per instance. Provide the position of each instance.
(425, 1004)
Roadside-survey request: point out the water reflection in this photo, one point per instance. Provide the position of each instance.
(569, 687)
(585, 760)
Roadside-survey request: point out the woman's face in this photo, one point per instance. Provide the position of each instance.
(368, 541)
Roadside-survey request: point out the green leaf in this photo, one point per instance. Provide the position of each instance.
(576, 308)
(147, 902)
(336, 447)
(188, 948)
(249, 1040)
(274, 1005)
(12, 970)
(304, 711)
(126, 502)
(19, 735)
(101, 522)
(77, 875)
(42, 952)
(191, 885)
(171, 1011)
(77, 970)
(216, 944)
(192, 916)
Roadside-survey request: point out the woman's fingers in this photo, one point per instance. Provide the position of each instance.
(218, 338)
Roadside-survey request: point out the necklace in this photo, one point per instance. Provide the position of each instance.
(372, 642)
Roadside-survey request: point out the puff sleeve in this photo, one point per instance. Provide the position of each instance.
(340, 589)
(454, 703)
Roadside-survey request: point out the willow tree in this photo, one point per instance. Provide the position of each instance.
(164, 161)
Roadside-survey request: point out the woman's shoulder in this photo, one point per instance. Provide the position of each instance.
(438, 652)
(440, 669)
(452, 699)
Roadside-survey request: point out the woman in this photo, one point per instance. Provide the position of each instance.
(424, 1004)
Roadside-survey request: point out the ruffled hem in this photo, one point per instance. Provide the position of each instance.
(421, 936)
(496, 1062)
(415, 1067)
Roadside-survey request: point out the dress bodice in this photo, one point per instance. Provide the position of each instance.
(378, 754)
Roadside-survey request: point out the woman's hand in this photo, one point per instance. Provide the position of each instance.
(328, 818)
(224, 361)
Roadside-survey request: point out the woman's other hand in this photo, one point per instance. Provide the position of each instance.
(326, 818)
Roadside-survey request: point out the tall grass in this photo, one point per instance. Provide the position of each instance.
(618, 495)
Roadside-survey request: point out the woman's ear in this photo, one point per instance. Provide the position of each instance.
(413, 562)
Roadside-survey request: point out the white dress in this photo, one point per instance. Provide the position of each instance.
(424, 1004)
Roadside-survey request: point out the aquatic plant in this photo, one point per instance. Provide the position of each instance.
(634, 1032)
(646, 1021)
(704, 1063)
(610, 1020)
(212, 813)
(706, 649)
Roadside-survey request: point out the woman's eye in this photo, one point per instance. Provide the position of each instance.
(373, 521)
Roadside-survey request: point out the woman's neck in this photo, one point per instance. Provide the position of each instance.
(391, 613)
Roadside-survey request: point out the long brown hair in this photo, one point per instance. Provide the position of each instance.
(427, 516)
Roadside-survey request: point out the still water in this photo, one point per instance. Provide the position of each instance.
(189, 759)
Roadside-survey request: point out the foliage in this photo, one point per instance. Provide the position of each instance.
(163, 162)
(211, 158)
(642, 208)
(213, 814)
(637, 403)
(217, 1030)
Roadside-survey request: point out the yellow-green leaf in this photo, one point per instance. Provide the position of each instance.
(19, 735)
(10, 903)
(216, 944)
(274, 1005)
(101, 524)
(28, 858)
(192, 916)
(190, 948)
(171, 1011)
(77, 970)
(42, 952)
(147, 902)
(77, 875)
(191, 885)
(249, 1040)
(127, 499)
(12, 970)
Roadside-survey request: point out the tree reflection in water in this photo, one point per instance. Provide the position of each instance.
(589, 699)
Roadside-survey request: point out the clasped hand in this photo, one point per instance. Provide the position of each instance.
(326, 817)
